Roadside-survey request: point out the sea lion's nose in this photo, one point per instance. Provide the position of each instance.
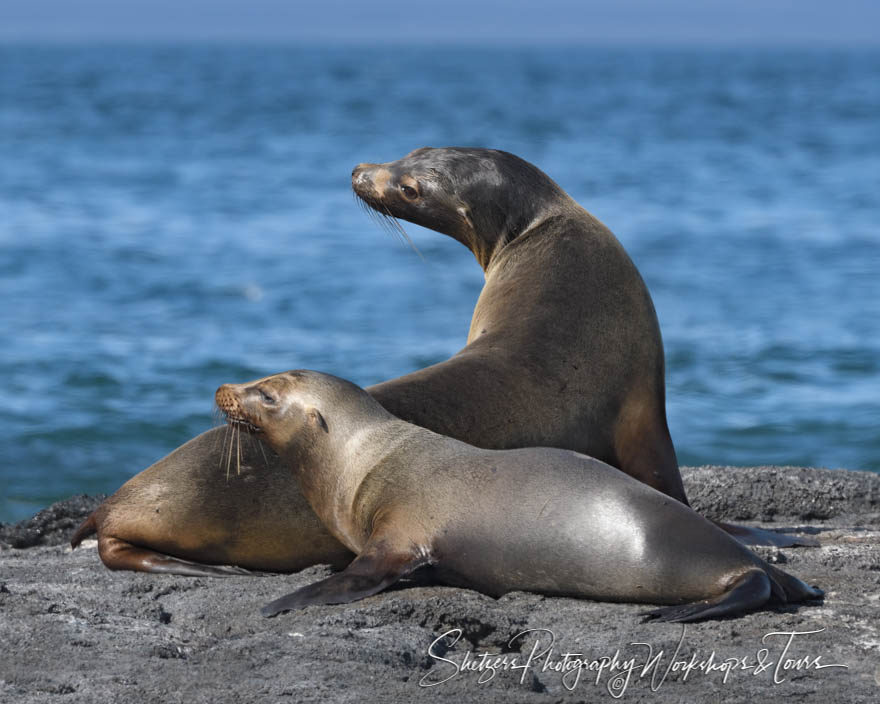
(359, 172)
(226, 398)
(368, 180)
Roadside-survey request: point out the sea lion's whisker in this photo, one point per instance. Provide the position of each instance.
(379, 213)
(229, 454)
(238, 453)
(395, 225)
(390, 224)
(223, 448)
(246, 424)
(257, 443)
(262, 451)
(218, 418)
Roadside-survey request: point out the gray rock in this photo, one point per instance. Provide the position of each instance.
(73, 631)
(51, 526)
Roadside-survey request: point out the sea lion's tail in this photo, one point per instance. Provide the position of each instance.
(86, 528)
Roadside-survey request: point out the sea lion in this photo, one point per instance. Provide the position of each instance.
(535, 519)
(564, 350)
(200, 513)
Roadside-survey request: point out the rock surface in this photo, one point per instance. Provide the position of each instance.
(73, 631)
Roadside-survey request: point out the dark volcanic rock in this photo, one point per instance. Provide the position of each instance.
(789, 494)
(71, 630)
(51, 526)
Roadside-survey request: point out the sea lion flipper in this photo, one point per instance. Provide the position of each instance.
(374, 569)
(86, 528)
(749, 535)
(749, 591)
(118, 554)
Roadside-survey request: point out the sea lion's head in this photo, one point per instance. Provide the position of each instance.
(296, 410)
(484, 198)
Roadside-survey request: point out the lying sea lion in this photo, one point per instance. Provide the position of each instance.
(564, 350)
(535, 519)
(183, 516)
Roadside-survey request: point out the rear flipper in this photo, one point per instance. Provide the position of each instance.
(375, 568)
(118, 554)
(794, 589)
(749, 535)
(86, 528)
(749, 591)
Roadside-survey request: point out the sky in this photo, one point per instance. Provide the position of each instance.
(653, 22)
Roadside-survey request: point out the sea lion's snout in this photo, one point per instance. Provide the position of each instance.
(370, 180)
(360, 178)
(228, 400)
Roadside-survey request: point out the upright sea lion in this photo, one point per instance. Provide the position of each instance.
(535, 519)
(564, 350)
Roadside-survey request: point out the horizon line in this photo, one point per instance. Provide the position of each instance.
(517, 42)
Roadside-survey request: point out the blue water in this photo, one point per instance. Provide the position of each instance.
(175, 218)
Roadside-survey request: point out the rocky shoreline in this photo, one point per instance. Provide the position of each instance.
(71, 630)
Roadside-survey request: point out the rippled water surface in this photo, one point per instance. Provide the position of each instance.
(175, 218)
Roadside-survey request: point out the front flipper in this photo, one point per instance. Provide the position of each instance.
(118, 554)
(377, 567)
(749, 535)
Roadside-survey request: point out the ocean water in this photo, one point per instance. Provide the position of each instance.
(172, 218)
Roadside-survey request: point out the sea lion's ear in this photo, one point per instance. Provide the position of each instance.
(465, 213)
(316, 419)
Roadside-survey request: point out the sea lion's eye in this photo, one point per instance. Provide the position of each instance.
(266, 397)
(409, 192)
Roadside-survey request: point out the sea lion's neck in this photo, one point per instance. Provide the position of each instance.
(495, 218)
(549, 221)
(331, 480)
